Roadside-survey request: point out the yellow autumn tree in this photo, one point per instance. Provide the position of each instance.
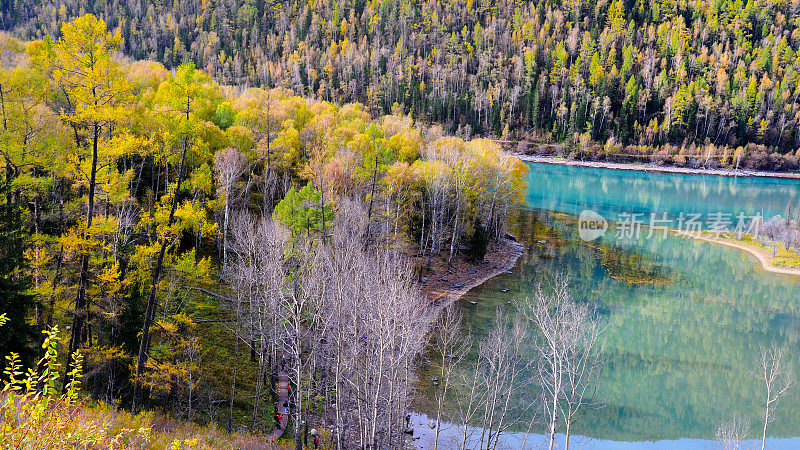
(94, 93)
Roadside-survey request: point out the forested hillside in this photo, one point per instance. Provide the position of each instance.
(190, 236)
(669, 80)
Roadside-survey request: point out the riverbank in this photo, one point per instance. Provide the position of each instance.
(442, 284)
(763, 255)
(654, 168)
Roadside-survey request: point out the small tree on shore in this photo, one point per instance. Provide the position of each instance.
(451, 346)
(772, 369)
(479, 241)
(731, 434)
(569, 348)
(501, 371)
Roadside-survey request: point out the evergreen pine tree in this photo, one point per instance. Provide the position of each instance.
(479, 241)
(18, 334)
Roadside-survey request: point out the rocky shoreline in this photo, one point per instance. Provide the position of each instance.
(443, 284)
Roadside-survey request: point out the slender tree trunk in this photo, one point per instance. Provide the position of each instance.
(376, 398)
(766, 421)
(259, 383)
(554, 407)
(77, 334)
(338, 375)
(225, 235)
(469, 411)
(439, 403)
(152, 300)
(57, 273)
(298, 390)
(235, 366)
(553, 418)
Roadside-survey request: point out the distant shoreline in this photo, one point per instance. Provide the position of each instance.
(654, 168)
(761, 254)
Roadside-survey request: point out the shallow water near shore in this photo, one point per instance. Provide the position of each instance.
(451, 436)
(685, 317)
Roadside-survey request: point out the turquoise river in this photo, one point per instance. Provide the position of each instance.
(685, 317)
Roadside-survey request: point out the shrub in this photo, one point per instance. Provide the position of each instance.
(479, 241)
(34, 416)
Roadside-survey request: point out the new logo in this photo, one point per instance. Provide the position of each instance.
(591, 225)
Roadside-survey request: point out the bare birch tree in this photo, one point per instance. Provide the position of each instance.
(470, 398)
(228, 165)
(773, 369)
(339, 307)
(451, 346)
(503, 363)
(259, 246)
(299, 315)
(568, 348)
(731, 434)
(582, 366)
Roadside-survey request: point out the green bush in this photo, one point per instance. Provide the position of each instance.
(479, 241)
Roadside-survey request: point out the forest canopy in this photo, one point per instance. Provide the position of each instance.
(138, 201)
(714, 82)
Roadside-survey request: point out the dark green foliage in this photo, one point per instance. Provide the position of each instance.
(17, 335)
(301, 211)
(479, 242)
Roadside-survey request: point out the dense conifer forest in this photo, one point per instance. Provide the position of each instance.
(711, 83)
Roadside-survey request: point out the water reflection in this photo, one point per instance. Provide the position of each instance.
(451, 437)
(685, 317)
(611, 192)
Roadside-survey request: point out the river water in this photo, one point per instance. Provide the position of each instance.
(685, 317)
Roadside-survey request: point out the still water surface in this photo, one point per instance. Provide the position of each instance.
(685, 317)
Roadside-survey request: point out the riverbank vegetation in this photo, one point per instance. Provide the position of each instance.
(776, 244)
(191, 235)
(683, 83)
(751, 157)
